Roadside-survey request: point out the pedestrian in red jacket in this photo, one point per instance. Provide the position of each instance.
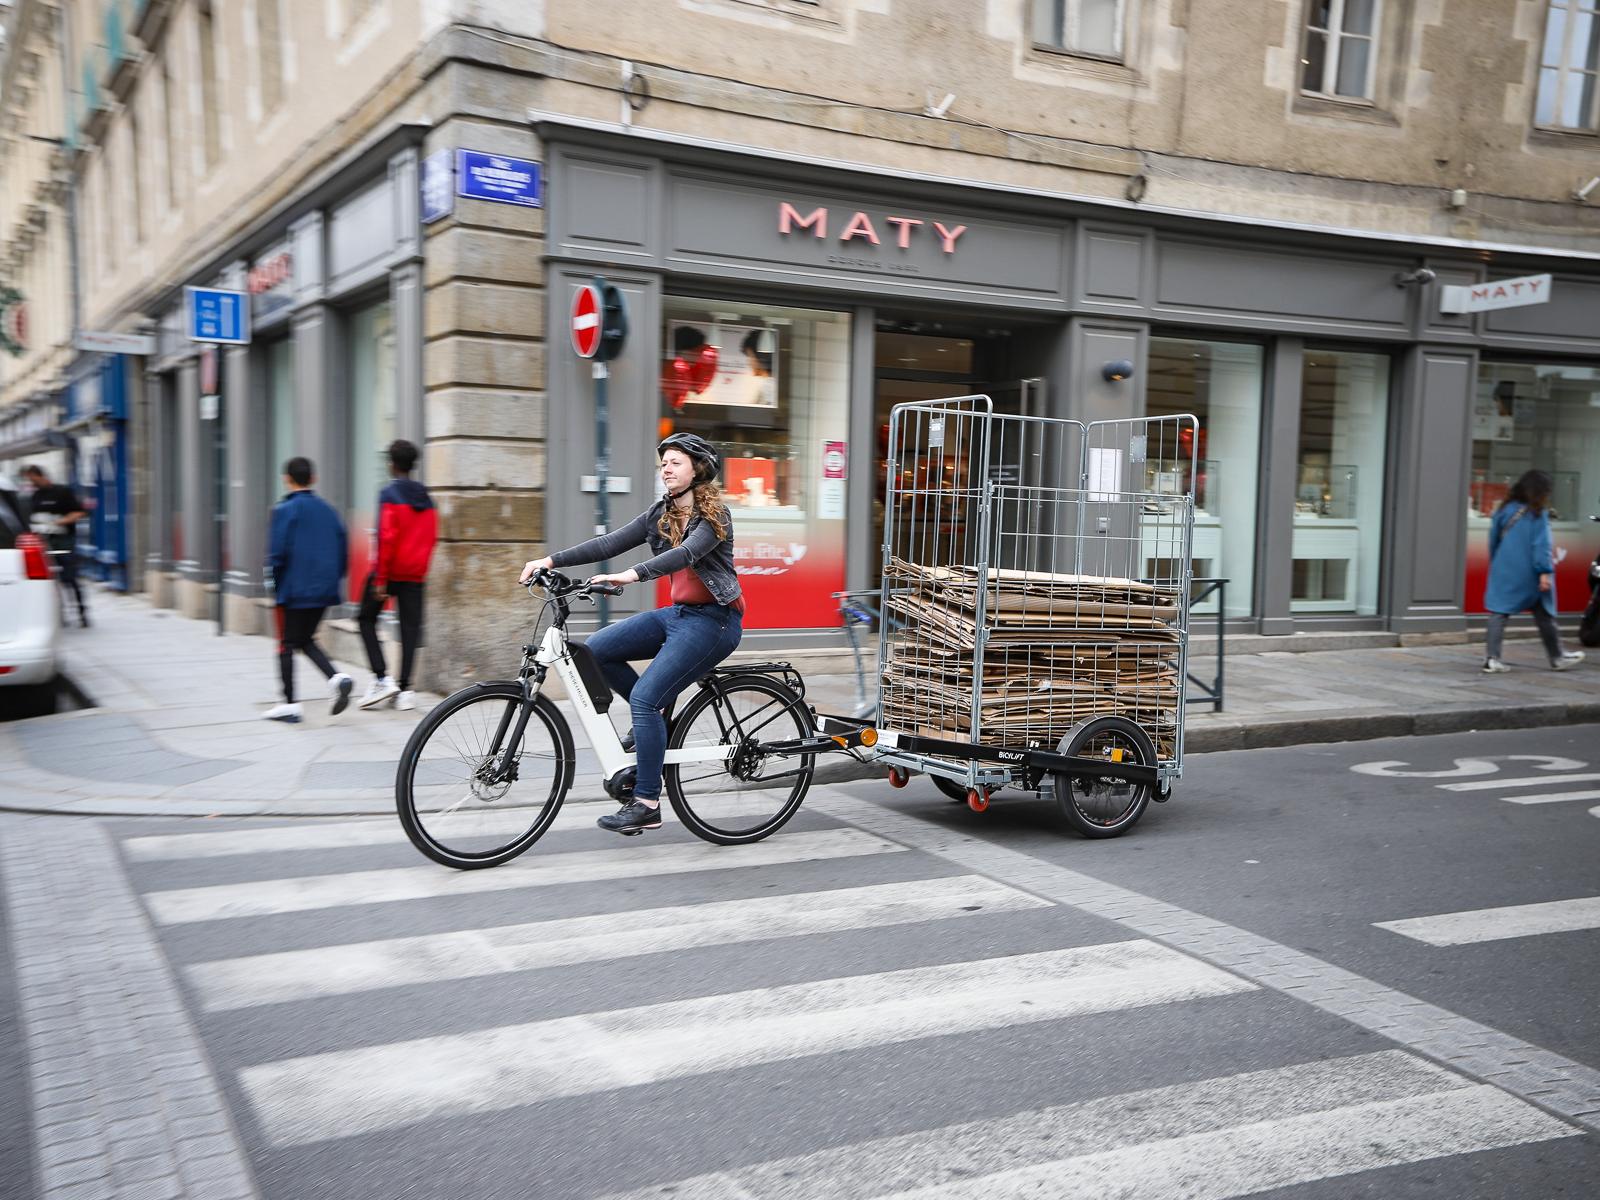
(408, 527)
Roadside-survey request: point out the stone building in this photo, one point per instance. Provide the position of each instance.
(35, 242)
(817, 208)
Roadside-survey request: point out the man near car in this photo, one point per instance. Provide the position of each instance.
(55, 510)
(306, 552)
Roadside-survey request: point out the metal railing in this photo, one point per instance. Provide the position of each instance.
(1199, 591)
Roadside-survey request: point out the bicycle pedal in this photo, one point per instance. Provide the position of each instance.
(630, 832)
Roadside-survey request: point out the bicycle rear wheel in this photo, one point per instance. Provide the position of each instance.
(752, 792)
(453, 802)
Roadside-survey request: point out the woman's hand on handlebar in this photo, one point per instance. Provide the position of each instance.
(531, 569)
(618, 577)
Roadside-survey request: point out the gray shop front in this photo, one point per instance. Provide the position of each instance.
(783, 308)
(333, 372)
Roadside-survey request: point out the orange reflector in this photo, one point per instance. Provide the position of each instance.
(1116, 755)
(869, 736)
(840, 739)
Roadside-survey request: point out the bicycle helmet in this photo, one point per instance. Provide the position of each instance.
(696, 447)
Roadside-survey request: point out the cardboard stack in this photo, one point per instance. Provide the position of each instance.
(1060, 649)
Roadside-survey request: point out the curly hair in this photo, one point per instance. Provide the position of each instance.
(708, 505)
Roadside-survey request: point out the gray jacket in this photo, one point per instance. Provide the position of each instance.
(711, 558)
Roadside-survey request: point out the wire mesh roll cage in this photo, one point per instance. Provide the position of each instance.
(1039, 571)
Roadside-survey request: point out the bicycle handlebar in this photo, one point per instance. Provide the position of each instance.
(558, 584)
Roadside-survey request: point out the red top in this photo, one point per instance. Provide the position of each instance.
(687, 589)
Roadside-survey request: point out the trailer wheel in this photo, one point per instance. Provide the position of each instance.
(898, 778)
(978, 799)
(1103, 808)
(950, 788)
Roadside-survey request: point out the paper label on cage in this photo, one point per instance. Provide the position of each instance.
(1105, 473)
(1136, 447)
(936, 433)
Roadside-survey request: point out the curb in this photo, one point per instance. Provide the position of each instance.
(1262, 735)
(1300, 731)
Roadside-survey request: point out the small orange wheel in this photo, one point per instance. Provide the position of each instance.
(898, 778)
(978, 799)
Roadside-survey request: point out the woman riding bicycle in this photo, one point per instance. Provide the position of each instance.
(690, 533)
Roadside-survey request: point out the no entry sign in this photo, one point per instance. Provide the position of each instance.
(586, 321)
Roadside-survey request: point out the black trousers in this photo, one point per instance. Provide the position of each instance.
(67, 563)
(297, 630)
(408, 607)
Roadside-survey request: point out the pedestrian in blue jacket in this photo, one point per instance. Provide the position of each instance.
(306, 552)
(1522, 571)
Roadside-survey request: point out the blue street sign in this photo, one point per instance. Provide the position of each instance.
(218, 316)
(494, 177)
(438, 197)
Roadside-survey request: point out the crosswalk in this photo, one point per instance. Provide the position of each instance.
(808, 951)
(1502, 923)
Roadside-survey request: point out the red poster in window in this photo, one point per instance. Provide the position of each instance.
(787, 580)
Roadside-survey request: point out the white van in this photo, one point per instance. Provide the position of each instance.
(30, 614)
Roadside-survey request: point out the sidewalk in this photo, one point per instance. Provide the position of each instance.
(176, 728)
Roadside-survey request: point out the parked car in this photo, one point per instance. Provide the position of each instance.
(30, 614)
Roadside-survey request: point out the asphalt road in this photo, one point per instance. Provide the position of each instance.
(895, 998)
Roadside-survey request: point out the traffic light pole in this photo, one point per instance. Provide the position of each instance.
(602, 471)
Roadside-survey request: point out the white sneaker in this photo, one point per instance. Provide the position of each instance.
(380, 690)
(1568, 660)
(287, 713)
(1493, 666)
(340, 687)
(406, 701)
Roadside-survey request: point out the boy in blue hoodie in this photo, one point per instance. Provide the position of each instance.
(307, 555)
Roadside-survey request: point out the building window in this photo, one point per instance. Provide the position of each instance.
(1220, 383)
(1341, 48)
(1530, 416)
(370, 379)
(1569, 67)
(269, 47)
(1092, 27)
(208, 85)
(1338, 509)
(135, 175)
(169, 115)
(771, 387)
(282, 433)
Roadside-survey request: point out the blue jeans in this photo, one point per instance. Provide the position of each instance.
(684, 641)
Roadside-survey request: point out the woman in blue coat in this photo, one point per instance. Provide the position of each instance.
(1522, 571)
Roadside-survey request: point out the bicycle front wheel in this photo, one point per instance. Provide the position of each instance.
(753, 791)
(459, 800)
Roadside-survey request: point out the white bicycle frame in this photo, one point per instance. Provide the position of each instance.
(554, 654)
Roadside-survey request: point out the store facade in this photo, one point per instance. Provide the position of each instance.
(781, 309)
(332, 372)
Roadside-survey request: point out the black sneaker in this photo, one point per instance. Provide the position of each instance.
(632, 819)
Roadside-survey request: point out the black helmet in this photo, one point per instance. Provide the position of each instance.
(696, 447)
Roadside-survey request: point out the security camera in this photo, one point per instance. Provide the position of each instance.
(1583, 192)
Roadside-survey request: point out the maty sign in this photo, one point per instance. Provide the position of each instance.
(586, 321)
(1502, 293)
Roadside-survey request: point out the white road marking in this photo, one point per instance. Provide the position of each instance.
(351, 1092)
(335, 835)
(1497, 924)
(1465, 767)
(1552, 798)
(1487, 785)
(1212, 1138)
(342, 970)
(307, 893)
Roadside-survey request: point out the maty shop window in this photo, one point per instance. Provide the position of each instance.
(1528, 416)
(770, 387)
